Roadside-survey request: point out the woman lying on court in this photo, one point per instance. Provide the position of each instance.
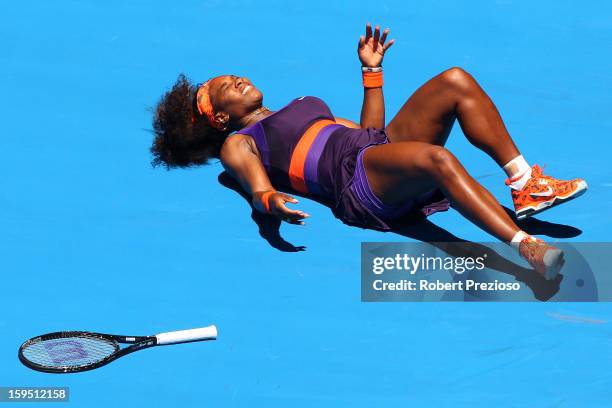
(371, 173)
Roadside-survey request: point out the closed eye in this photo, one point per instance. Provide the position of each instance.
(228, 83)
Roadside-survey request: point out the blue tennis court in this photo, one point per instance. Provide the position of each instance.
(96, 239)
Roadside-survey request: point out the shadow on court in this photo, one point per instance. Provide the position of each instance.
(419, 228)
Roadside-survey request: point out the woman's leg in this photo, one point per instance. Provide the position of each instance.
(429, 114)
(428, 117)
(394, 179)
(400, 171)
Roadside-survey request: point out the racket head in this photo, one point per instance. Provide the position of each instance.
(68, 351)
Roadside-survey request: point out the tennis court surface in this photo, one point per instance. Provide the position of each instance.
(95, 239)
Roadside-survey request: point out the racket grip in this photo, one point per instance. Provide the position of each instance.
(182, 336)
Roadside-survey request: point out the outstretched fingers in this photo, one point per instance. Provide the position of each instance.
(372, 46)
(368, 32)
(388, 45)
(384, 35)
(289, 215)
(293, 216)
(361, 42)
(376, 36)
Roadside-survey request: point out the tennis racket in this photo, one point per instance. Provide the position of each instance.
(75, 351)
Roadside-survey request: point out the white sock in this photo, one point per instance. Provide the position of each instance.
(519, 171)
(519, 237)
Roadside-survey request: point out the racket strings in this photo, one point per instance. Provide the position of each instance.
(69, 351)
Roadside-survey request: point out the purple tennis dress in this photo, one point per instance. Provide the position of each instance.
(304, 150)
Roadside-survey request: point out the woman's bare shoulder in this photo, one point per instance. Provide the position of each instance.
(236, 145)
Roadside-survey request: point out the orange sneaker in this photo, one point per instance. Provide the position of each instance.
(543, 192)
(545, 259)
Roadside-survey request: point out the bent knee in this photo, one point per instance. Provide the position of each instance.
(459, 79)
(440, 161)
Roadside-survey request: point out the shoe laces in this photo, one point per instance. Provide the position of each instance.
(532, 249)
(538, 172)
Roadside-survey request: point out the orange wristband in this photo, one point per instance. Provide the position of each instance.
(372, 79)
(265, 200)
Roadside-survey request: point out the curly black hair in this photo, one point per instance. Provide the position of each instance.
(182, 138)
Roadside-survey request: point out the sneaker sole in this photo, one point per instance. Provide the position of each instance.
(543, 206)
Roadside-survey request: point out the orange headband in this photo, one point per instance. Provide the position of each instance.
(205, 106)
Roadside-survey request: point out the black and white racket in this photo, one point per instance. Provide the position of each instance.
(74, 351)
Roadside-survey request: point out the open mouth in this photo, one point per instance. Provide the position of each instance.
(246, 89)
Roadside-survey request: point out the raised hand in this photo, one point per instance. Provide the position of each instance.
(372, 48)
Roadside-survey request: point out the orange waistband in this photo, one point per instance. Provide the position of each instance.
(298, 158)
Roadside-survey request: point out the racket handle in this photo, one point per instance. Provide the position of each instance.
(182, 336)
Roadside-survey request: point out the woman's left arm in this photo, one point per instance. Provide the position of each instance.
(371, 51)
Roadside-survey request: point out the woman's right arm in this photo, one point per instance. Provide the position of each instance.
(371, 51)
(239, 159)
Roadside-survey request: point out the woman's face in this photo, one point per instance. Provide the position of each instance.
(234, 95)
